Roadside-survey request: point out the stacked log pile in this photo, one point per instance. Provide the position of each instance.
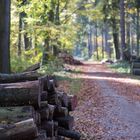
(69, 59)
(35, 110)
(135, 65)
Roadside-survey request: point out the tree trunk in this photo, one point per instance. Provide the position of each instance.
(19, 34)
(128, 34)
(122, 28)
(96, 41)
(106, 36)
(138, 31)
(116, 45)
(5, 36)
(103, 50)
(116, 38)
(90, 47)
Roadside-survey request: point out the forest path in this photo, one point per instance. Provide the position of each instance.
(109, 107)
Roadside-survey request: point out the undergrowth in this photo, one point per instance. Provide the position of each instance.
(121, 67)
(71, 85)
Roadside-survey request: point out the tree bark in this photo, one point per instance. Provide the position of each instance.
(116, 38)
(16, 114)
(122, 28)
(103, 50)
(72, 102)
(65, 122)
(20, 94)
(138, 31)
(49, 127)
(96, 41)
(60, 112)
(69, 133)
(5, 36)
(25, 130)
(19, 77)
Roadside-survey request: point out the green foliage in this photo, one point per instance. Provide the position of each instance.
(53, 65)
(121, 67)
(100, 55)
(19, 64)
(74, 84)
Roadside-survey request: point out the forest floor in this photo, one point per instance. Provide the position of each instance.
(109, 104)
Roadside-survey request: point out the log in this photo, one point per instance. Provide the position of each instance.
(25, 93)
(136, 65)
(65, 122)
(63, 98)
(51, 109)
(51, 138)
(72, 102)
(42, 135)
(53, 99)
(49, 127)
(69, 134)
(60, 138)
(19, 96)
(43, 104)
(33, 67)
(136, 71)
(55, 129)
(37, 118)
(16, 114)
(60, 112)
(24, 130)
(44, 96)
(49, 83)
(19, 77)
(44, 112)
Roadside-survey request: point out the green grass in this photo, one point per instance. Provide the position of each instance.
(121, 67)
(74, 84)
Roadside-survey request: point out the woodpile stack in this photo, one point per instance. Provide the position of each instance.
(35, 110)
(135, 65)
(68, 59)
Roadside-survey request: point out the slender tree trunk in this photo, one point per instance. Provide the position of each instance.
(26, 39)
(19, 35)
(132, 40)
(116, 38)
(116, 45)
(90, 48)
(128, 36)
(96, 41)
(5, 36)
(138, 31)
(122, 28)
(103, 44)
(46, 51)
(107, 47)
(57, 22)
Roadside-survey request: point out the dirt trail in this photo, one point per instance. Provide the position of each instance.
(110, 110)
